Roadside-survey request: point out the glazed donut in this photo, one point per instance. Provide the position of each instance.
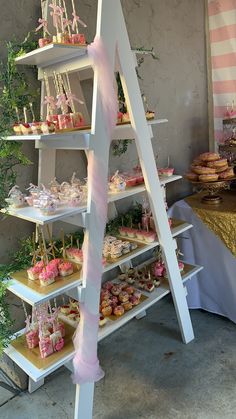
(209, 156)
(134, 300)
(123, 296)
(210, 177)
(200, 170)
(227, 174)
(116, 290)
(192, 176)
(106, 311)
(107, 286)
(222, 169)
(127, 305)
(129, 290)
(105, 295)
(217, 163)
(119, 311)
(105, 303)
(197, 162)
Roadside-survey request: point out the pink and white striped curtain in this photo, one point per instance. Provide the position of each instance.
(222, 27)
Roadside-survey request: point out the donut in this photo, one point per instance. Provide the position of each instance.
(210, 177)
(129, 290)
(137, 294)
(222, 169)
(108, 285)
(119, 311)
(116, 290)
(197, 162)
(106, 311)
(227, 174)
(209, 156)
(134, 300)
(105, 303)
(123, 296)
(217, 163)
(192, 176)
(127, 305)
(105, 295)
(200, 170)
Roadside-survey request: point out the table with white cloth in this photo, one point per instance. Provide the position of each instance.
(214, 288)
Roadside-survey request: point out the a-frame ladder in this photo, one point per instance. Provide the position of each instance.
(112, 29)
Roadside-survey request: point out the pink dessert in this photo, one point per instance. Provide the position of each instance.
(119, 117)
(33, 273)
(65, 121)
(166, 171)
(54, 120)
(108, 285)
(139, 234)
(131, 232)
(65, 269)
(78, 255)
(36, 127)
(61, 328)
(26, 129)
(123, 231)
(46, 278)
(52, 269)
(43, 42)
(181, 266)
(149, 236)
(158, 269)
(77, 119)
(55, 262)
(78, 38)
(32, 339)
(130, 182)
(45, 347)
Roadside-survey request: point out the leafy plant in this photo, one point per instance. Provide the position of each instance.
(14, 93)
(133, 215)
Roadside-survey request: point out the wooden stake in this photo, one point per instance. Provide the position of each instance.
(51, 242)
(33, 242)
(63, 244)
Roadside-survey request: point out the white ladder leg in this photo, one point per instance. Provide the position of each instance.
(84, 401)
(34, 385)
(155, 194)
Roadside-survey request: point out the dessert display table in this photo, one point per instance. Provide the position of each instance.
(215, 289)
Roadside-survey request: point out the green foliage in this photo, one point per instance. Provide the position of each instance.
(133, 215)
(15, 92)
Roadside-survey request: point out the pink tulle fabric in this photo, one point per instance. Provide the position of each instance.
(86, 364)
(106, 85)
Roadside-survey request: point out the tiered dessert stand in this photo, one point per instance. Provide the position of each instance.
(95, 140)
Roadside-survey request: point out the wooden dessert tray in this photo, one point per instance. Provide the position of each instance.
(22, 277)
(33, 355)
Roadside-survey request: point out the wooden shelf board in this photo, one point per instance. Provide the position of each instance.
(51, 54)
(79, 139)
(32, 297)
(38, 374)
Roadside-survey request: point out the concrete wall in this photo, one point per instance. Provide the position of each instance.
(175, 86)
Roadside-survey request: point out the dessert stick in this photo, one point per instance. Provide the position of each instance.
(44, 247)
(50, 307)
(63, 244)
(71, 240)
(24, 308)
(78, 245)
(17, 114)
(55, 302)
(47, 87)
(32, 110)
(25, 115)
(68, 22)
(34, 253)
(62, 94)
(51, 242)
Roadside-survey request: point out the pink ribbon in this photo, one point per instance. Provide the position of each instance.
(77, 19)
(67, 22)
(71, 97)
(44, 25)
(56, 12)
(61, 100)
(49, 100)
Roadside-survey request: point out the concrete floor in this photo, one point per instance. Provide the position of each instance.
(150, 374)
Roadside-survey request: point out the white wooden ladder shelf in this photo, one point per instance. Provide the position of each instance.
(112, 30)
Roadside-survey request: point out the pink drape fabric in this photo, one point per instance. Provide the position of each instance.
(86, 364)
